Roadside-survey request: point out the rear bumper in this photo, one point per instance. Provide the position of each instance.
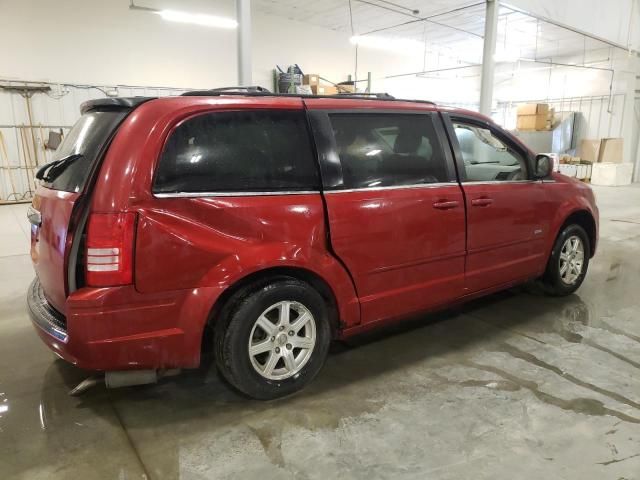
(118, 328)
(44, 316)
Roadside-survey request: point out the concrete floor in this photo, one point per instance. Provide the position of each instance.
(513, 386)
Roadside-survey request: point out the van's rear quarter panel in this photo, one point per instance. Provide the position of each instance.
(189, 242)
(186, 243)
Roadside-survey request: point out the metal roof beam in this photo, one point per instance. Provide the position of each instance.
(417, 18)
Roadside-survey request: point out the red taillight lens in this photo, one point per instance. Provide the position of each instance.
(109, 259)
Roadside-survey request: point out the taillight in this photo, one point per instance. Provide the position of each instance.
(109, 259)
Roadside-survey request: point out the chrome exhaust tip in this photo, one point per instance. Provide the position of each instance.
(85, 385)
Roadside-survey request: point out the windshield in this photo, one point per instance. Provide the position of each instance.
(85, 142)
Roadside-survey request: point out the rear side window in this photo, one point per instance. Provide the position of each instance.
(239, 151)
(85, 140)
(388, 149)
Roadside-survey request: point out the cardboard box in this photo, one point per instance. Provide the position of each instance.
(610, 150)
(589, 150)
(324, 90)
(304, 89)
(533, 109)
(568, 159)
(607, 150)
(532, 122)
(311, 79)
(346, 88)
(611, 174)
(551, 119)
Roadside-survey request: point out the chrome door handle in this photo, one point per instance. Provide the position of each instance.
(481, 202)
(446, 205)
(34, 216)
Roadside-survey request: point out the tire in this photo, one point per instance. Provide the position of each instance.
(558, 281)
(287, 360)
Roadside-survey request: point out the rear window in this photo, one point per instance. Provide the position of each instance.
(388, 149)
(87, 138)
(239, 151)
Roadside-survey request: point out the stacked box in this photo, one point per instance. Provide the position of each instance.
(606, 150)
(311, 79)
(533, 116)
(346, 88)
(324, 90)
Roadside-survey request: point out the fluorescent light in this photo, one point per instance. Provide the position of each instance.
(371, 153)
(197, 19)
(4, 408)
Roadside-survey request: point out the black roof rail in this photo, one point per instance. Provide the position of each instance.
(379, 96)
(218, 91)
(257, 91)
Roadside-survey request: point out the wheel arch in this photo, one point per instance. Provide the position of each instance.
(256, 280)
(585, 219)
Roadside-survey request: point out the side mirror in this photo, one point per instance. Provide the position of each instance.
(543, 166)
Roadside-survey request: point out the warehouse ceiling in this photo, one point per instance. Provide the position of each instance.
(367, 14)
(454, 25)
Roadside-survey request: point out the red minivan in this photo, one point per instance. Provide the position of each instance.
(263, 226)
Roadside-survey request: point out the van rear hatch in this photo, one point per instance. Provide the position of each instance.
(56, 211)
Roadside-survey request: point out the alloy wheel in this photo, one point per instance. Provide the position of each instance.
(282, 340)
(571, 259)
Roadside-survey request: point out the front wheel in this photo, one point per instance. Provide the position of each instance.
(568, 263)
(275, 339)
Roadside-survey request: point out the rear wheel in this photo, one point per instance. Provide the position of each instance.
(274, 338)
(568, 263)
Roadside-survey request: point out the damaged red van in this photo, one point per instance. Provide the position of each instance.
(263, 226)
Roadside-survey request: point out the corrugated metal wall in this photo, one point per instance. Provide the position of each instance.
(22, 146)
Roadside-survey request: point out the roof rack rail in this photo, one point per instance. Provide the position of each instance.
(381, 95)
(258, 91)
(372, 96)
(217, 91)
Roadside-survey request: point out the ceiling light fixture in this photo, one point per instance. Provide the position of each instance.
(191, 18)
(197, 19)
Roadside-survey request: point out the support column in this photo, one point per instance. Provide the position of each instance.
(243, 16)
(488, 52)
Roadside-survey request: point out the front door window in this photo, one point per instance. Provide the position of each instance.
(486, 157)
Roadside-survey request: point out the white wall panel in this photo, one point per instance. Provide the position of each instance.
(104, 43)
